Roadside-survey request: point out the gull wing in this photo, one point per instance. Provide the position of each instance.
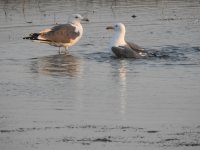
(135, 47)
(60, 34)
(126, 52)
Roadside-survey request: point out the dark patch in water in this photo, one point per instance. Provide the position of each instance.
(94, 127)
(87, 44)
(188, 144)
(170, 52)
(88, 140)
(171, 139)
(182, 133)
(28, 129)
(9, 131)
(152, 131)
(88, 126)
(68, 139)
(102, 140)
(196, 48)
(33, 58)
(174, 55)
(133, 16)
(6, 131)
(2, 117)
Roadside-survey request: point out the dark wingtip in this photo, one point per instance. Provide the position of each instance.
(32, 36)
(25, 38)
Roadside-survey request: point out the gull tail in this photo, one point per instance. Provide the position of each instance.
(32, 36)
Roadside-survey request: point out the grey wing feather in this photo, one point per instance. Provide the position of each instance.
(60, 33)
(125, 52)
(135, 47)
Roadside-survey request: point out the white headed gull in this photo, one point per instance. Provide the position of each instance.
(122, 49)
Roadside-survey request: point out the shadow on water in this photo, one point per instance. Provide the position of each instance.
(57, 65)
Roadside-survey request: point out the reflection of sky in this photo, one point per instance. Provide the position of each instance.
(122, 79)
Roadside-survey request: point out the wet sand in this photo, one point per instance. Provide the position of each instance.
(89, 100)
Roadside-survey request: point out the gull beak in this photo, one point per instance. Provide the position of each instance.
(85, 19)
(110, 28)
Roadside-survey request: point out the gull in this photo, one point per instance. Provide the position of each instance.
(122, 49)
(63, 35)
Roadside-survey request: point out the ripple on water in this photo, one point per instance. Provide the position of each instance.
(166, 55)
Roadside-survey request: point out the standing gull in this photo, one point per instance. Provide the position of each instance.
(64, 35)
(122, 49)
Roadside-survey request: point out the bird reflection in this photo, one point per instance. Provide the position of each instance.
(122, 79)
(57, 65)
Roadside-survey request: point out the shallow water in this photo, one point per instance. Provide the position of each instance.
(89, 100)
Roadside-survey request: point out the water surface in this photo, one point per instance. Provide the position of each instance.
(88, 99)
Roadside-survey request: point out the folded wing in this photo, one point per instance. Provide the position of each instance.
(126, 52)
(58, 34)
(135, 47)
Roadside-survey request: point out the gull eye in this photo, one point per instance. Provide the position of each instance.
(116, 26)
(76, 17)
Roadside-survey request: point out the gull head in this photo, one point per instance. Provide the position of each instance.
(76, 19)
(119, 35)
(118, 27)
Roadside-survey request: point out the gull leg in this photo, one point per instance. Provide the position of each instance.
(66, 51)
(59, 50)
